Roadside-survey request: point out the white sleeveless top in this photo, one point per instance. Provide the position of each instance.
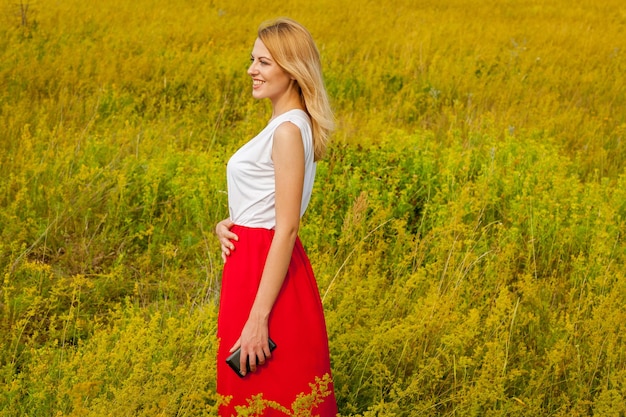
(250, 174)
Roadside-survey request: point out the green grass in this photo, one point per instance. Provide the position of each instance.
(466, 229)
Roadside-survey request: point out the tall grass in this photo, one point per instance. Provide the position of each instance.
(466, 229)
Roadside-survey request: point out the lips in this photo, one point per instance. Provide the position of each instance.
(257, 82)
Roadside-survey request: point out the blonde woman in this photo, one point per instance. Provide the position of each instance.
(269, 293)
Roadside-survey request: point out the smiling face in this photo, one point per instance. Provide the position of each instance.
(269, 80)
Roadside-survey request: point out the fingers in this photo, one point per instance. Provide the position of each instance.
(226, 251)
(254, 360)
(266, 352)
(235, 346)
(252, 363)
(227, 246)
(254, 343)
(249, 361)
(222, 230)
(226, 237)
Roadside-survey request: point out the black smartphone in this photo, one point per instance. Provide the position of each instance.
(233, 359)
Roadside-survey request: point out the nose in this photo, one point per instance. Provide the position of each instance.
(252, 68)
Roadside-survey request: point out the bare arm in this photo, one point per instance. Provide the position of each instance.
(288, 157)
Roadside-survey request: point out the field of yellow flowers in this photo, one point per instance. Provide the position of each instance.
(467, 228)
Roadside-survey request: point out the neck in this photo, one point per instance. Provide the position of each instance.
(290, 100)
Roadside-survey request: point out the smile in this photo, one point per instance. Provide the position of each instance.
(257, 82)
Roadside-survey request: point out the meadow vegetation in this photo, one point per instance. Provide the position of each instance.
(466, 228)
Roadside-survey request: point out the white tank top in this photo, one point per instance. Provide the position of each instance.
(250, 174)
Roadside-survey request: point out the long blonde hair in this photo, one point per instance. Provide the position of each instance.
(293, 49)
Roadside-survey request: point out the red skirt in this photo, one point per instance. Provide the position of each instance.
(296, 325)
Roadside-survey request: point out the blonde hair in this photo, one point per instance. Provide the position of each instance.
(293, 49)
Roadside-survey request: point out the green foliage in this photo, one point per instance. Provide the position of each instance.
(136, 365)
(466, 229)
(302, 406)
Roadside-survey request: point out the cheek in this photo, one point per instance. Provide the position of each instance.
(284, 79)
(280, 76)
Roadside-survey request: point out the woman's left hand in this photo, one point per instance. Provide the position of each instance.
(254, 345)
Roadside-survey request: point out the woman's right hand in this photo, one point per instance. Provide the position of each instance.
(226, 237)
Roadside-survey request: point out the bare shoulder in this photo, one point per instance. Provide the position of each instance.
(287, 131)
(287, 140)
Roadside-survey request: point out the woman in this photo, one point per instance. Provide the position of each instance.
(268, 288)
